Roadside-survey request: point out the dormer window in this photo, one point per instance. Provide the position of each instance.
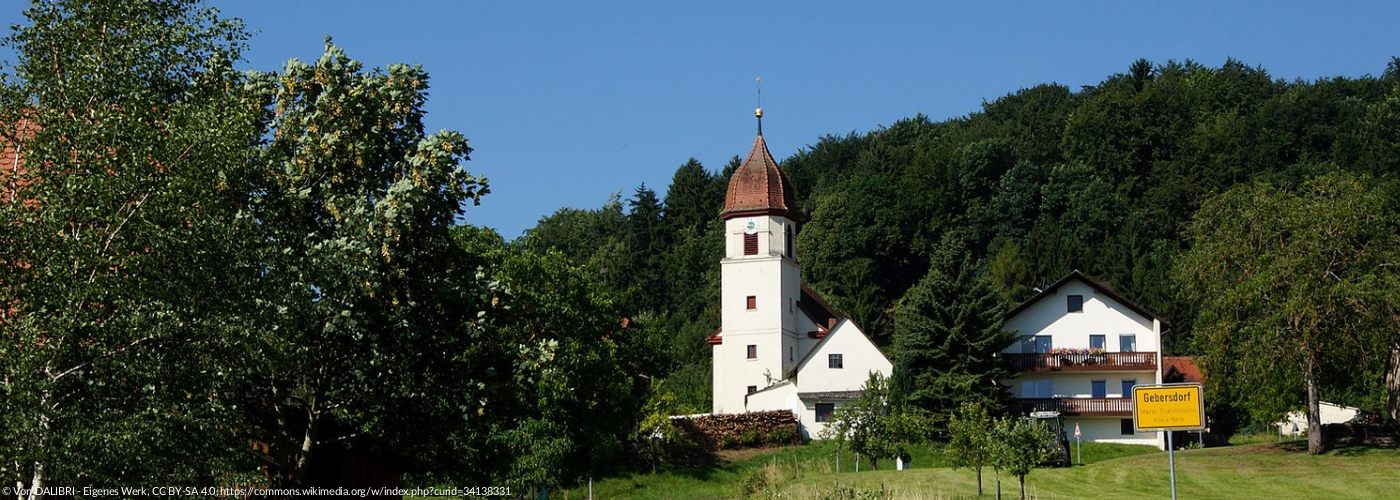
(1075, 303)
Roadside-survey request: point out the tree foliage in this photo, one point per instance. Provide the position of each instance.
(948, 332)
(877, 426)
(1019, 446)
(971, 440)
(194, 259)
(355, 205)
(120, 365)
(1296, 290)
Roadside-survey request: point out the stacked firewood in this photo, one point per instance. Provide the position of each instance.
(739, 430)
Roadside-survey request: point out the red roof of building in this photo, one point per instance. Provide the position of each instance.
(759, 186)
(1181, 369)
(11, 158)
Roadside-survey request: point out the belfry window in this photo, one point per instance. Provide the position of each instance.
(751, 244)
(787, 240)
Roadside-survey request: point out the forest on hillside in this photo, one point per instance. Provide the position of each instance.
(1104, 179)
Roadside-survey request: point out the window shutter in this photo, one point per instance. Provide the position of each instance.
(751, 244)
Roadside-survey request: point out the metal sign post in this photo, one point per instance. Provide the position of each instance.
(1169, 407)
(1078, 444)
(1171, 462)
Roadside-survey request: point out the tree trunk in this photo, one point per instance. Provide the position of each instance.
(1022, 479)
(979, 481)
(1316, 445)
(308, 442)
(36, 481)
(1392, 385)
(998, 484)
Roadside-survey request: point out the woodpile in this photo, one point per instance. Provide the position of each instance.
(741, 430)
(1381, 434)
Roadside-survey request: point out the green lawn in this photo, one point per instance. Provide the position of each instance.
(1262, 470)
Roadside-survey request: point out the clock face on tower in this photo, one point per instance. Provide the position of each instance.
(751, 227)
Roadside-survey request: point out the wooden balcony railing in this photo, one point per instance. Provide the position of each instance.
(1113, 361)
(1076, 407)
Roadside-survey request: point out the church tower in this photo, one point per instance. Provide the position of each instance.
(760, 283)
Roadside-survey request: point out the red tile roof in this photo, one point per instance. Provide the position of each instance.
(759, 187)
(714, 338)
(11, 158)
(1181, 369)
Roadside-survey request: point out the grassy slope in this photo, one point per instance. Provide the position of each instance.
(1264, 470)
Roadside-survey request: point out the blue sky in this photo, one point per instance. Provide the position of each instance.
(566, 103)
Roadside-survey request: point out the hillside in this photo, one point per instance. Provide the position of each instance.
(1046, 180)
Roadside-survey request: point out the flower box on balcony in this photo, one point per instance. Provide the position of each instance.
(1092, 355)
(1082, 359)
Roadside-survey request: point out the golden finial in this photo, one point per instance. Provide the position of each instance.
(758, 112)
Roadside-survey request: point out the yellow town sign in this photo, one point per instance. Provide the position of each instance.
(1168, 407)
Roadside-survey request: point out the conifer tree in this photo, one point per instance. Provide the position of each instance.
(948, 329)
(689, 203)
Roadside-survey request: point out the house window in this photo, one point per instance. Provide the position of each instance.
(1098, 341)
(1042, 344)
(792, 352)
(1076, 303)
(751, 302)
(834, 361)
(753, 351)
(787, 240)
(1127, 343)
(751, 244)
(1128, 388)
(753, 389)
(1098, 389)
(1037, 389)
(824, 411)
(1125, 427)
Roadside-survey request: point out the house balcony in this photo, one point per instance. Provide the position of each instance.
(1113, 361)
(1076, 407)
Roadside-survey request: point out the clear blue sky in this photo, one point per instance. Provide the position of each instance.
(568, 102)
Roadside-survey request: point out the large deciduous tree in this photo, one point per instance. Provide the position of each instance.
(1294, 287)
(356, 205)
(122, 359)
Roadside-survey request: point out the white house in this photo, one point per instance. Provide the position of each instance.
(779, 345)
(1296, 423)
(1083, 347)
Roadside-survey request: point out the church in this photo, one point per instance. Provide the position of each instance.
(779, 345)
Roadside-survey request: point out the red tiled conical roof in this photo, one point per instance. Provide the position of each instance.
(759, 187)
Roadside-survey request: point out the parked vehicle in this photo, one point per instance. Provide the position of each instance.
(1057, 447)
